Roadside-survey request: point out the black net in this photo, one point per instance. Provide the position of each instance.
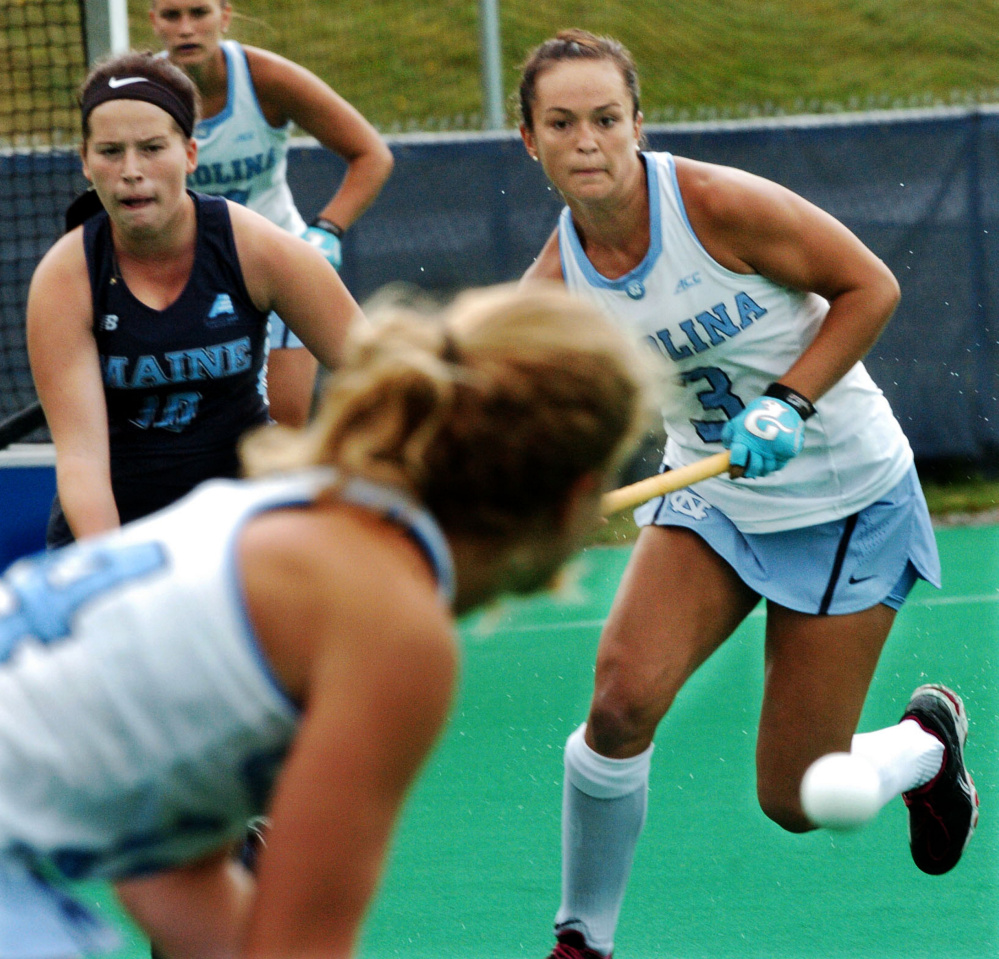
(42, 61)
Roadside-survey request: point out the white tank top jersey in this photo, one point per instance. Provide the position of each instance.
(140, 725)
(241, 156)
(725, 337)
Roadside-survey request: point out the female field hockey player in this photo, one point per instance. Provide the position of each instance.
(763, 307)
(249, 99)
(147, 324)
(285, 643)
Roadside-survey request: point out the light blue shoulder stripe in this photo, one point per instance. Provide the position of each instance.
(675, 183)
(391, 503)
(397, 507)
(567, 235)
(234, 60)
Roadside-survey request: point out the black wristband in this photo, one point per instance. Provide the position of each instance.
(328, 225)
(800, 404)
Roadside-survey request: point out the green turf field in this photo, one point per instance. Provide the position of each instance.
(475, 869)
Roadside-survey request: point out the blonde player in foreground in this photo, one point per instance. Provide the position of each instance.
(286, 643)
(762, 306)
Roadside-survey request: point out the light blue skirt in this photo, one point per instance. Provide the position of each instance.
(38, 921)
(844, 566)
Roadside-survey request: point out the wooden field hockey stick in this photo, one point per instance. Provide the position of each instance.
(663, 483)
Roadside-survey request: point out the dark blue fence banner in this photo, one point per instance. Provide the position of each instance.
(921, 189)
(36, 186)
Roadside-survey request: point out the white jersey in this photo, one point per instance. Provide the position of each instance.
(140, 726)
(725, 337)
(241, 156)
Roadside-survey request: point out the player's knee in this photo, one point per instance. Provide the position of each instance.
(784, 808)
(617, 723)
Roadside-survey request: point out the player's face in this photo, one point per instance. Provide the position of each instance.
(580, 518)
(138, 162)
(190, 30)
(585, 131)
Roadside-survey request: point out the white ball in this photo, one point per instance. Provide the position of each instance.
(840, 791)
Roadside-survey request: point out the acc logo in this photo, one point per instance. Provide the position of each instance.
(689, 504)
(635, 289)
(109, 321)
(687, 282)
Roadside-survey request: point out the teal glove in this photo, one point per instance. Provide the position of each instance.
(764, 437)
(325, 237)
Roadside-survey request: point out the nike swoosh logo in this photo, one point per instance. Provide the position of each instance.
(861, 579)
(114, 83)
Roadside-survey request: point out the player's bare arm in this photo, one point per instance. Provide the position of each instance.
(288, 91)
(66, 371)
(285, 274)
(548, 266)
(752, 225)
(338, 801)
(362, 742)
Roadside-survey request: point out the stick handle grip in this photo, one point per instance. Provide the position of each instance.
(663, 483)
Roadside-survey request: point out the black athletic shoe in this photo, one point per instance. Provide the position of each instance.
(572, 945)
(943, 813)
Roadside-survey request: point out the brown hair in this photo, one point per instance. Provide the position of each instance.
(222, 4)
(180, 95)
(487, 413)
(574, 44)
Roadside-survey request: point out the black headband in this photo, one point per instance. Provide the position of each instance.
(140, 88)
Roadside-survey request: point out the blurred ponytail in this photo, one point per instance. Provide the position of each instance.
(487, 413)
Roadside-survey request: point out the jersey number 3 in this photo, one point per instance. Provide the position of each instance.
(717, 396)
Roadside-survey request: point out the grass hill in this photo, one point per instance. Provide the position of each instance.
(414, 64)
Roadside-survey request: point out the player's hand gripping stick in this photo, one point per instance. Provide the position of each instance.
(764, 437)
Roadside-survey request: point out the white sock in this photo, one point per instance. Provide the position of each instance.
(603, 811)
(905, 756)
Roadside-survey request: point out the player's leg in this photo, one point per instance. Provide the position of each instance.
(818, 669)
(198, 910)
(678, 601)
(247, 853)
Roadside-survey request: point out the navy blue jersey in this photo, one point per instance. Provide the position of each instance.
(181, 384)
